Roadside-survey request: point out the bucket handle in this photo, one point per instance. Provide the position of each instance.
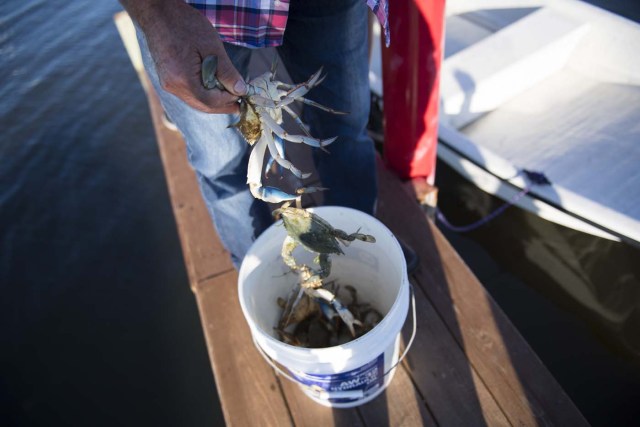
(356, 394)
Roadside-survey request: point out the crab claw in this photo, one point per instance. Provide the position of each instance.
(342, 311)
(327, 311)
(346, 316)
(346, 238)
(275, 195)
(208, 71)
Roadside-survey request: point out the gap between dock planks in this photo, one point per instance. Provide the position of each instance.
(437, 370)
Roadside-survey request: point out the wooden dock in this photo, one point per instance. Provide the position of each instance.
(468, 366)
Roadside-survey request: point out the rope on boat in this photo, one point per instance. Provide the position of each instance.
(535, 178)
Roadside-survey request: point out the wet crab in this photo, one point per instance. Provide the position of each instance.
(317, 236)
(260, 125)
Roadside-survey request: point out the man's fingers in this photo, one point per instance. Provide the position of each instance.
(232, 108)
(217, 101)
(196, 96)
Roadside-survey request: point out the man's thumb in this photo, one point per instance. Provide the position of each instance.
(230, 78)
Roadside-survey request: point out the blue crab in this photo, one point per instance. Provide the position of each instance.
(261, 112)
(316, 235)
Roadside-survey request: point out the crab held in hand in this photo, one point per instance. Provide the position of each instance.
(260, 125)
(318, 236)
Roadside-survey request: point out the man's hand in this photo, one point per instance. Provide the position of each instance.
(179, 38)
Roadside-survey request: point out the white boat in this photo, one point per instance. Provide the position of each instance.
(550, 86)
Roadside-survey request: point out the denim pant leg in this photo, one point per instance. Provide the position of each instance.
(219, 157)
(333, 34)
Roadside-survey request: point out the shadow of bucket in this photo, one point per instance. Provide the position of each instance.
(353, 373)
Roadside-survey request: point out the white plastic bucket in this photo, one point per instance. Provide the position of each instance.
(347, 375)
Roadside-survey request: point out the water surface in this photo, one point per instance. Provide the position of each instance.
(98, 324)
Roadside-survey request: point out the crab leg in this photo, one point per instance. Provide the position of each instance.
(292, 302)
(254, 166)
(291, 95)
(326, 310)
(288, 246)
(285, 86)
(275, 127)
(342, 311)
(346, 238)
(308, 85)
(263, 102)
(273, 150)
(325, 265)
(297, 119)
(274, 67)
(288, 99)
(280, 146)
(254, 177)
(320, 106)
(302, 88)
(310, 278)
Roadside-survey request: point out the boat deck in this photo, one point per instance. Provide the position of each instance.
(468, 364)
(549, 86)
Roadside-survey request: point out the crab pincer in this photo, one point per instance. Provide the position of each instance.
(342, 311)
(209, 69)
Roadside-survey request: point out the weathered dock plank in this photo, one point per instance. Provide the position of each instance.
(400, 405)
(248, 388)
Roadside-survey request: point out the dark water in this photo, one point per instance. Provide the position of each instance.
(574, 298)
(99, 326)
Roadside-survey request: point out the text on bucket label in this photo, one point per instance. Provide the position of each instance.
(367, 379)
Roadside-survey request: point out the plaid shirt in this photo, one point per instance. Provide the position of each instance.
(261, 23)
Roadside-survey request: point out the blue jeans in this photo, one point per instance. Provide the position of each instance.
(328, 33)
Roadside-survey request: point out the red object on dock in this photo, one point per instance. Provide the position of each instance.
(411, 75)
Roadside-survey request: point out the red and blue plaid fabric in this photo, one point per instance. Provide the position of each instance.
(380, 8)
(261, 23)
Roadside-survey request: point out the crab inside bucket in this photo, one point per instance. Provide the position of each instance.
(377, 271)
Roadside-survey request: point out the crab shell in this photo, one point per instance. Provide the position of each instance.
(311, 231)
(249, 124)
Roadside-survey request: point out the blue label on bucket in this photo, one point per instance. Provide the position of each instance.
(367, 379)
